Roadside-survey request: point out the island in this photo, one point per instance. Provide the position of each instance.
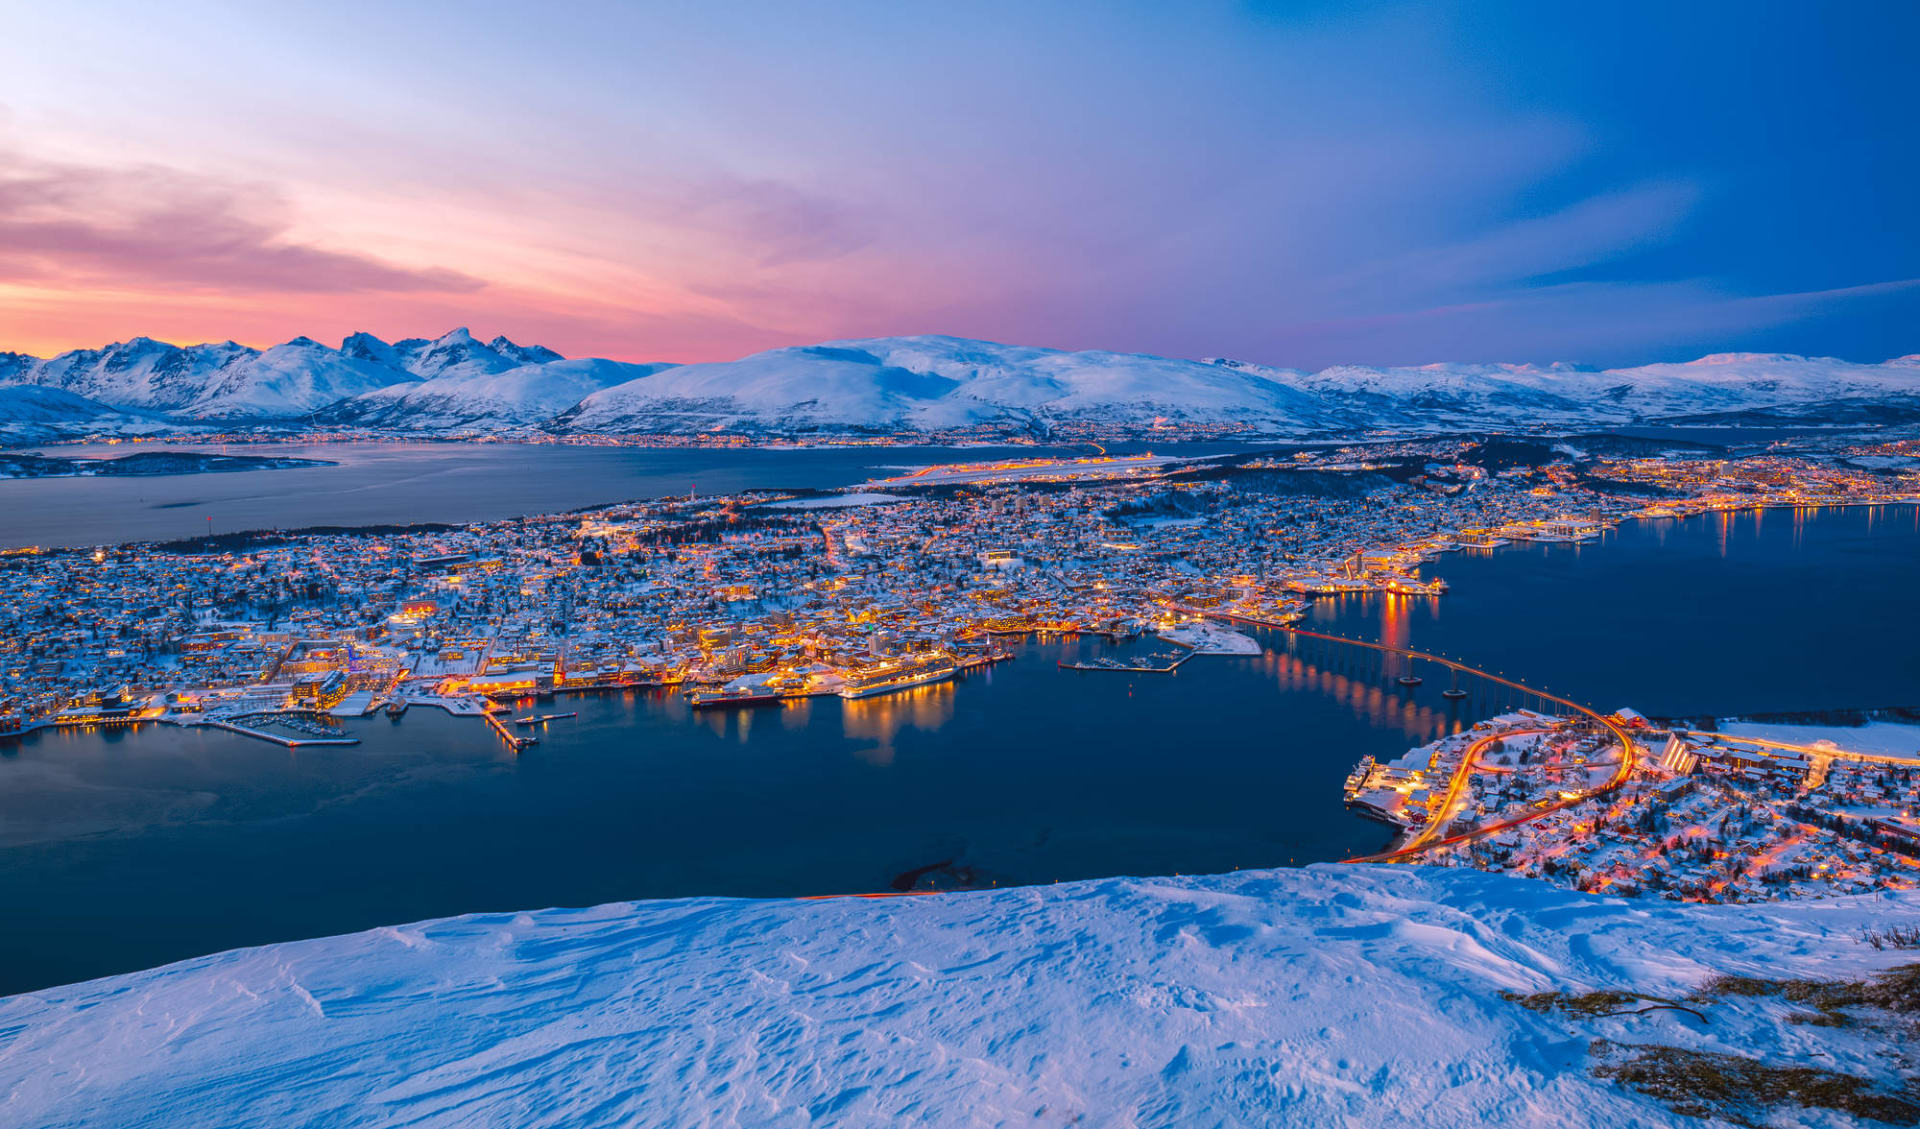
(145, 464)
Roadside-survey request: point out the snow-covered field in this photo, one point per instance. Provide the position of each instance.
(1877, 738)
(1206, 638)
(1331, 995)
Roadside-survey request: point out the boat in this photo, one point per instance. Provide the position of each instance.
(542, 719)
(899, 677)
(726, 697)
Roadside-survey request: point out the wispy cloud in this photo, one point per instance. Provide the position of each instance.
(65, 224)
(1587, 233)
(774, 223)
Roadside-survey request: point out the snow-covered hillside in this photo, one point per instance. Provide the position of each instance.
(285, 382)
(457, 384)
(230, 382)
(1328, 996)
(485, 400)
(32, 414)
(460, 354)
(930, 383)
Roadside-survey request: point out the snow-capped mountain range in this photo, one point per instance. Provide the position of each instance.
(457, 384)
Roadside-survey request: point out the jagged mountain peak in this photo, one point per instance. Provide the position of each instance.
(525, 354)
(918, 383)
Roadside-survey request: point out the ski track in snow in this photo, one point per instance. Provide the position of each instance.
(1330, 995)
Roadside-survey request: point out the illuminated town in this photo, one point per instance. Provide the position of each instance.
(749, 600)
(1683, 814)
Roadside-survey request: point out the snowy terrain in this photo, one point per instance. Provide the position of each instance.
(1204, 637)
(32, 414)
(1332, 995)
(1876, 738)
(930, 383)
(456, 383)
(290, 382)
(485, 400)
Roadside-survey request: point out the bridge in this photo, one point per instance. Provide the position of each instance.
(1426, 841)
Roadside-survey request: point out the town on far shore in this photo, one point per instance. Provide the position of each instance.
(752, 599)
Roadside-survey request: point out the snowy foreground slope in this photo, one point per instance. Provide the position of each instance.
(1331, 995)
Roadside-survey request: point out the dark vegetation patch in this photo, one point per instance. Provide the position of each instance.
(1498, 452)
(1892, 937)
(1741, 1090)
(1598, 1004)
(146, 464)
(1748, 1091)
(1896, 990)
(244, 540)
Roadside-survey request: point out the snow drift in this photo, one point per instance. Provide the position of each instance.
(1331, 995)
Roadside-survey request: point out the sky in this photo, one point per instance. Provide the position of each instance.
(1296, 184)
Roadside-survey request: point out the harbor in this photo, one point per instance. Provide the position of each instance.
(1022, 771)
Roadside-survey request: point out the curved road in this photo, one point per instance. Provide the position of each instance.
(1423, 842)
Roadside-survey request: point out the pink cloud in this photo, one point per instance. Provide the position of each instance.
(69, 224)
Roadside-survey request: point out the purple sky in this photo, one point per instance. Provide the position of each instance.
(1295, 184)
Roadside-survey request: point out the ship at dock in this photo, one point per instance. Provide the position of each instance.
(902, 675)
(733, 697)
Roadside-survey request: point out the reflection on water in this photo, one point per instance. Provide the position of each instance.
(877, 721)
(1714, 614)
(1376, 699)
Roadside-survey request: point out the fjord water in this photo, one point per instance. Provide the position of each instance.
(124, 850)
(398, 483)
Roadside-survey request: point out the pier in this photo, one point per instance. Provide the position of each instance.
(275, 738)
(512, 740)
(1140, 665)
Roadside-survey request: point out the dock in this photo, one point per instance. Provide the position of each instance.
(512, 740)
(261, 734)
(1144, 664)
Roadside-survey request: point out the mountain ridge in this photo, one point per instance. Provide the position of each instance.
(457, 384)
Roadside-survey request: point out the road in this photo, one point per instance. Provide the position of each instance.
(1461, 775)
(1424, 842)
